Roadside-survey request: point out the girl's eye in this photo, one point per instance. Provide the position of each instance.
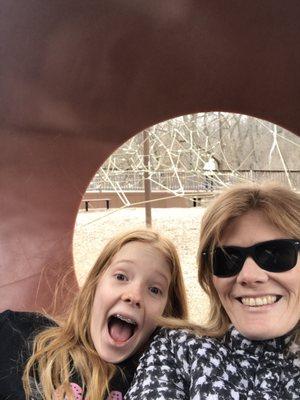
(155, 290)
(121, 277)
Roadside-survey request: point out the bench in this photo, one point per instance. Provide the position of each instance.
(92, 200)
(197, 199)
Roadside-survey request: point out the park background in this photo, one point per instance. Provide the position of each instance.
(166, 175)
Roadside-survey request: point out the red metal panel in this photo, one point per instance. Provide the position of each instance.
(79, 78)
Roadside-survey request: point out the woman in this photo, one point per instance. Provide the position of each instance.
(93, 352)
(249, 266)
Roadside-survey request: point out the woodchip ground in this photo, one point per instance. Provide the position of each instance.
(94, 228)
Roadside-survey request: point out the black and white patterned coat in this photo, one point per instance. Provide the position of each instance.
(180, 365)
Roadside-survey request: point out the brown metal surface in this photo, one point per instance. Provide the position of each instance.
(79, 78)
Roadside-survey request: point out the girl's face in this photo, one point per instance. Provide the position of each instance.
(244, 296)
(130, 293)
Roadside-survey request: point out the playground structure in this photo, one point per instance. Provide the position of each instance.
(192, 156)
(78, 79)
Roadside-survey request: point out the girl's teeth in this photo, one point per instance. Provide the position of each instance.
(258, 301)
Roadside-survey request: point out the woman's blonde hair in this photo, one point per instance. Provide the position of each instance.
(279, 205)
(60, 351)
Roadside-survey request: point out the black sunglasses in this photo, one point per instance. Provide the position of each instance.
(274, 256)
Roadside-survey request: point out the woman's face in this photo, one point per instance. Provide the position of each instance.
(253, 285)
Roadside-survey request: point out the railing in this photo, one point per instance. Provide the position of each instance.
(187, 181)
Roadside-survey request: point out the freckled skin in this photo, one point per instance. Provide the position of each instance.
(259, 322)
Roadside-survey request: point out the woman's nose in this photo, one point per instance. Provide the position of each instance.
(251, 273)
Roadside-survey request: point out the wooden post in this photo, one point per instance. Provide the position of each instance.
(147, 183)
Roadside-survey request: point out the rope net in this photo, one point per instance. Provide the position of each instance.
(203, 151)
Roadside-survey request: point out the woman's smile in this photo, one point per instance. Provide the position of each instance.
(258, 301)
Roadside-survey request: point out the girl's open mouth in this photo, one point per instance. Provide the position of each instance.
(121, 328)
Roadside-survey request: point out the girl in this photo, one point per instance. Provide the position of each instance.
(93, 353)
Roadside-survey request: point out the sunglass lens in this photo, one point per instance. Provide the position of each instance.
(276, 256)
(227, 261)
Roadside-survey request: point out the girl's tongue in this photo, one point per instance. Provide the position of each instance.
(120, 330)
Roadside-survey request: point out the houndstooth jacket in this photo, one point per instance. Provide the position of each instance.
(181, 366)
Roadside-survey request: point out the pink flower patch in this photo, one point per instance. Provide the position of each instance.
(114, 395)
(77, 391)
